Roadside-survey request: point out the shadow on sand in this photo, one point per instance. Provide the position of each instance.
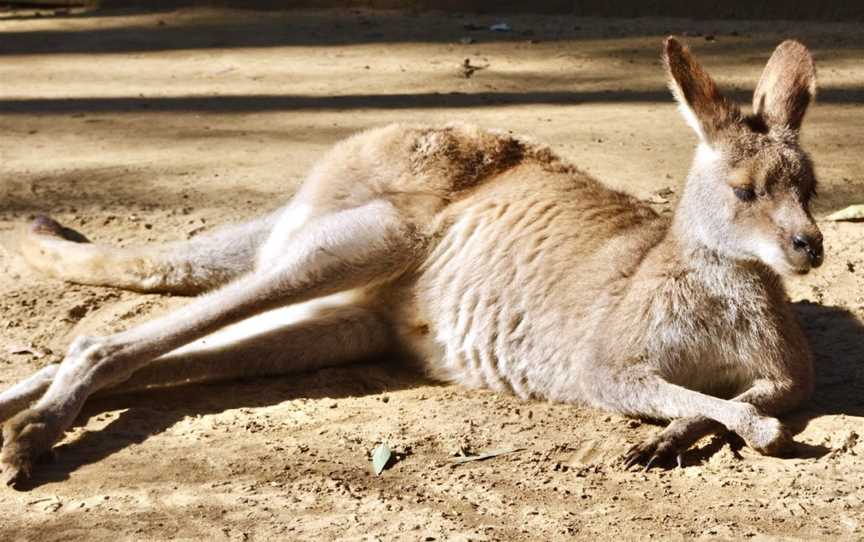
(837, 340)
(151, 412)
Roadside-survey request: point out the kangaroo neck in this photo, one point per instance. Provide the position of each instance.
(687, 243)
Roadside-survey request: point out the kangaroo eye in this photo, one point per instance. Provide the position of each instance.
(745, 193)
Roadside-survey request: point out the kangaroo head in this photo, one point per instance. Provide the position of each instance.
(749, 189)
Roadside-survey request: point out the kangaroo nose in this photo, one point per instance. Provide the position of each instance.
(810, 244)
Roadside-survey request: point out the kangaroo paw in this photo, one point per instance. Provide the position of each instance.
(660, 450)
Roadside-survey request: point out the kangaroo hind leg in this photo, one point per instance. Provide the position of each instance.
(324, 337)
(275, 343)
(345, 250)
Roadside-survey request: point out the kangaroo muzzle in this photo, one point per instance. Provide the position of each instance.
(809, 245)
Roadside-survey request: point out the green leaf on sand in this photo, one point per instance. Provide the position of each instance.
(380, 457)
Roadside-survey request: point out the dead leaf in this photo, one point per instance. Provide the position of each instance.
(468, 69)
(851, 213)
(36, 352)
(659, 197)
(485, 455)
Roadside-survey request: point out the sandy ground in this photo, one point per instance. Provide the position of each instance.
(138, 127)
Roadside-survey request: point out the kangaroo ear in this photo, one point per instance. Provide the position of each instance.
(706, 110)
(786, 87)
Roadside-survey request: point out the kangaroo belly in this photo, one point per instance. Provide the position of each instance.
(496, 304)
(478, 292)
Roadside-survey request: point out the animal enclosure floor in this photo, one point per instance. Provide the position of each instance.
(150, 126)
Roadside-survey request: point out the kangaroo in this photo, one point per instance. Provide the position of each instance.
(490, 262)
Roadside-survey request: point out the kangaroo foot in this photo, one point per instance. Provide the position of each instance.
(26, 437)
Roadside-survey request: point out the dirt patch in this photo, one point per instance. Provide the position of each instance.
(156, 126)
